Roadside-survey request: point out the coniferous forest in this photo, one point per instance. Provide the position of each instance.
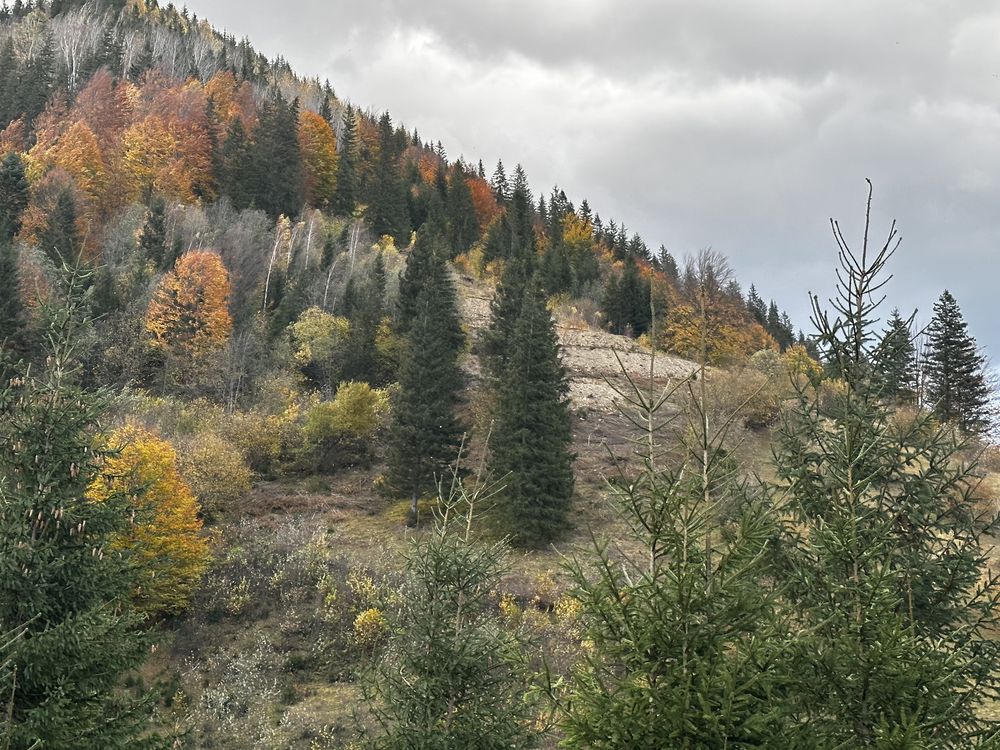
(314, 437)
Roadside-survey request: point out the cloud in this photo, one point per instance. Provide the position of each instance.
(743, 126)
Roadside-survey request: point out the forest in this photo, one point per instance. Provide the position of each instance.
(312, 437)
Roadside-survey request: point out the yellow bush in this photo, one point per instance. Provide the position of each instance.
(215, 470)
(356, 411)
(370, 627)
(168, 544)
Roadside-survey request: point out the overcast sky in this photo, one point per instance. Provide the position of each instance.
(743, 126)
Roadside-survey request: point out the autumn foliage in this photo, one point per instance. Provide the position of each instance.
(189, 315)
(319, 158)
(167, 541)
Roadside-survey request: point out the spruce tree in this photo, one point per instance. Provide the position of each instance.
(955, 370)
(153, 237)
(34, 84)
(681, 615)
(886, 563)
(463, 227)
(59, 238)
(387, 202)
(895, 361)
(276, 182)
(346, 195)
(426, 432)
(453, 674)
(64, 581)
(12, 324)
(756, 306)
(530, 452)
(14, 193)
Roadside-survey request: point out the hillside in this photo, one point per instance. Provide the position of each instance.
(312, 437)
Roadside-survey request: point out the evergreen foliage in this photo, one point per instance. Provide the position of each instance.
(626, 301)
(387, 202)
(276, 180)
(452, 675)
(63, 580)
(886, 565)
(346, 194)
(531, 444)
(14, 195)
(426, 432)
(955, 370)
(153, 238)
(12, 323)
(463, 227)
(681, 616)
(60, 238)
(896, 361)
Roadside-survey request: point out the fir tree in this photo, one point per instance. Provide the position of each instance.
(756, 306)
(34, 84)
(12, 324)
(387, 202)
(346, 195)
(64, 581)
(426, 432)
(955, 370)
(530, 448)
(153, 237)
(236, 170)
(463, 227)
(364, 305)
(626, 301)
(501, 188)
(895, 361)
(59, 238)
(14, 192)
(452, 674)
(276, 179)
(680, 617)
(886, 564)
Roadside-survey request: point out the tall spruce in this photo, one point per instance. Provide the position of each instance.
(955, 370)
(426, 431)
(60, 238)
(14, 194)
(896, 361)
(276, 181)
(64, 580)
(886, 558)
(463, 227)
(12, 323)
(387, 202)
(346, 195)
(153, 237)
(530, 452)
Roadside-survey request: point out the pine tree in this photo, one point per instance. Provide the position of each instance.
(364, 306)
(59, 238)
(153, 237)
(626, 301)
(530, 449)
(463, 227)
(895, 361)
(426, 432)
(387, 203)
(346, 195)
(680, 616)
(12, 324)
(63, 580)
(14, 193)
(886, 572)
(452, 674)
(276, 181)
(956, 381)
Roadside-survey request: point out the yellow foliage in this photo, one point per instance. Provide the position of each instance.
(168, 543)
(723, 331)
(318, 145)
(189, 312)
(798, 362)
(216, 471)
(356, 411)
(370, 627)
(151, 161)
(316, 336)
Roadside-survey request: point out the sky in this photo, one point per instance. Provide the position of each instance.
(740, 126)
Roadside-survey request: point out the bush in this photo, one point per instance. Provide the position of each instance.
(339, 432)
(216, 472)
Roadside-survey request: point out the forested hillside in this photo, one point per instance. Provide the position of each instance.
(312, 436)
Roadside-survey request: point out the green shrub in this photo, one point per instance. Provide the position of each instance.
(340, 432)
(216, 472)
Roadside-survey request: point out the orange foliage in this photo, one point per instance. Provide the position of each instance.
(167, 542)
(427, 165)
(318, 146)
(189, 313)
(483, 201)
(151, 162)
(12, 137)
(724, 329)
(78, 153)
(232, 99)
(104, 105)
